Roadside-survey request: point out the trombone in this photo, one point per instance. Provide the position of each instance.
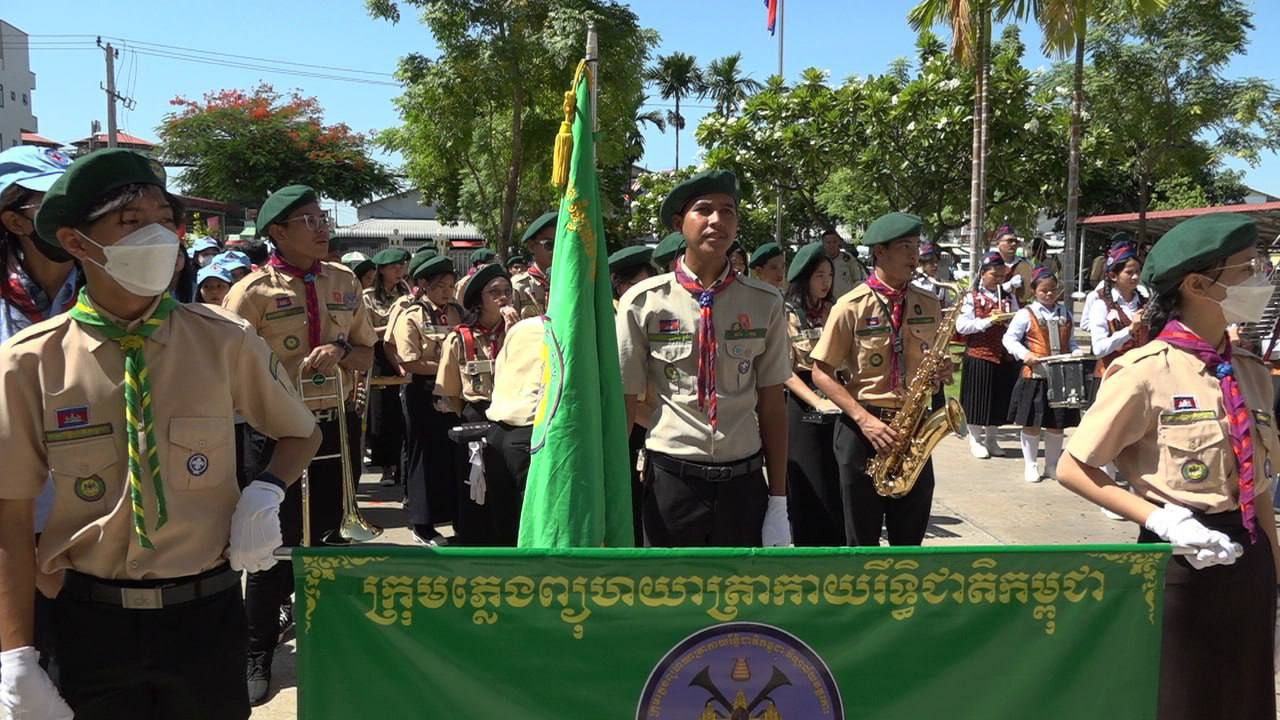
(353, 528)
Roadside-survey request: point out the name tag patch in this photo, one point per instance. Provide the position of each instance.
(1187, 417)
(281, 314)
(670, 337)
(744, 334)
(88, 431)
(72, 417)
(882, 330)
(924, 320)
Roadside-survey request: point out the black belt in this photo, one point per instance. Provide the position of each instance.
(881, 413)
(705, 471)
(149, 594)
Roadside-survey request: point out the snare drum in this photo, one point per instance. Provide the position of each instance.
(1066, 377)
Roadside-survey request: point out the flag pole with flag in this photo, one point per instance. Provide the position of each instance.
(579, 487)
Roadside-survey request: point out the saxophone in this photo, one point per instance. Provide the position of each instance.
(895, 471)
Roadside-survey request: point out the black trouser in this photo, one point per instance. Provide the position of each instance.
(386, 431)
(474, 525)
(183, 661)
(433, 495)
(506, 470)
(43, 630)
(866, 512)
(813, 481)
(636, 441)
(266, 591)
(683, 511)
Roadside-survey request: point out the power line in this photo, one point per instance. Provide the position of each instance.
(237, 57)
(260, 68)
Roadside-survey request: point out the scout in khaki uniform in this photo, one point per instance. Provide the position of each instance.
(419, 332)
(738, 261)
(668, 251)
(628, 267)
(878, 334)
(464, 382)
(769, 265)
(1187, 420)
(849, 272)
(385, 431)
(813, 480)
(149, 530)
(364, 269)
(517, 264)
(311, 314)
(1018, 269)
(533, 285)
(479, 258)
(713, 344)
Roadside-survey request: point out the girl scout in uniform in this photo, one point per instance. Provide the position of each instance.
(144, 556)
(419, 332)
(385, 433)
(769, 266)
(813, 481)
(1187, 420)
(988, 370)
(1040, 329)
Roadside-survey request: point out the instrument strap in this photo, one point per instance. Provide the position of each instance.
(468, 342)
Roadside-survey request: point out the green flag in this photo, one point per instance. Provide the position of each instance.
(579, 487)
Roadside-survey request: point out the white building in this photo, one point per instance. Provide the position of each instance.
(17, 82)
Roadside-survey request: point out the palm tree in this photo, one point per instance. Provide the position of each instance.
(676, 76)
(635, 136)
(727, 86)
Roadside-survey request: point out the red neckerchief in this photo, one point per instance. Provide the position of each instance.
(495, 334)
(24, 294)
(536, 273)
(897, 308)
(816, 315)
(308, 277)
(706, 337)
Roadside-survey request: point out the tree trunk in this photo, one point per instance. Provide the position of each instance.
(1073, 163)
(976, 233)
(1144, 200)
(986, 124)
(511, 194)
(678, 123)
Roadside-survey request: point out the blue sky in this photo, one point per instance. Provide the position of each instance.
(850, 37)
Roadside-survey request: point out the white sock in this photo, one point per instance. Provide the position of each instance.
(976, 433)
(992, 435)
(1030, 443)
(1052, 451)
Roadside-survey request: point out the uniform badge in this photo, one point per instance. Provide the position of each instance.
(337, 296)
(744, 321)
(877, 360)
(197, 464)
(668, 326)
(73, 417)
(916, 309)
(291, 342)
(671, 372)
(1194, 470)
(90, 489)
(283, 302)
(744, 367)
(873, 321)
(477, 382)
(349, 300)
(1185, 402)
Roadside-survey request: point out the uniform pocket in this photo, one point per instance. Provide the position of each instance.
(84, 472)
(676, 371)
(286, 331)
(201, 453)
(737, 359)
(1193, 456)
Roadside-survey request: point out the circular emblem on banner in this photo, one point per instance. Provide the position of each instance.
(877, 360)
(741, 670)
(90, 489)
(1194, 470)
(291, 342)
(552, 383)
(197, 464)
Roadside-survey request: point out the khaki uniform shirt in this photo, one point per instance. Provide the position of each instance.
(380, 311)
(657, 327)
(275, 304)
(418, 334)
(529, 295)
(397, 306)
(848, 274)
(518, 375)
(1160, 418)
(462, 377)
(804, 336)
(63, 418)
(859, 337)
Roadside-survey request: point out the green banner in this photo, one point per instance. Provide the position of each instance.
(776, 634)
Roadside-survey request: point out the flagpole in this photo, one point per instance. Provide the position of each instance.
(777, 230)
(593, 63)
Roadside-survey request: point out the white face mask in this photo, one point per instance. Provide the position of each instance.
(1247, 301)
(143, 261)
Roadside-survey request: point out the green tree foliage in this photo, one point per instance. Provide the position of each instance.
(727, 86)
(675, 77)
(240, 146)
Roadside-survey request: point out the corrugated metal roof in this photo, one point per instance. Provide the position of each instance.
(406, 229)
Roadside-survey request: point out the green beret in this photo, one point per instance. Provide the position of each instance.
(537, 225)
(706, 182)
(429, 266)
(629, 258)
(1194, 245)
(425, 250)
(73, 194)
(359, 266)
(669, 249)
(764, 254)
(482, 255)
(890, 227)
(482, 277)
(390, 256)
(806, 256)
(516, 260)
(281, 203)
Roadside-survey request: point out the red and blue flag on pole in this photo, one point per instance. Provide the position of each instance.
(772, 21)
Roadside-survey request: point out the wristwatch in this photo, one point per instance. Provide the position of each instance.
(346, 347)
(272, 479)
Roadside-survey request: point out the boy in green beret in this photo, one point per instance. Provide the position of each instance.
(668, 251)
(533, 285)
(769, 265)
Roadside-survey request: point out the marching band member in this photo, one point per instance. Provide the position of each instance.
(879, 333)
(769, 266)
(927, 274)
(668, 251)
(813, 480)
(311, 314)
(849, 272)
(988, 370)
(143, 557)
(1040, 329)
(1115, 319)
(1187, 419)
(531, 287)
(419, 331)
(713, 345)
(1018, 270)
(385, 431)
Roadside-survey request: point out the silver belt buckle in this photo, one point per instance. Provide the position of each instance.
(142, 598)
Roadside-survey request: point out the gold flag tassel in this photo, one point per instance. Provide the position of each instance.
(564, 139)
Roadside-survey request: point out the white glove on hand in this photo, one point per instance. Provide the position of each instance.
(1015, 281)
(776, 531)
(1175, 525)
(476, 478)
(255, 527)
(26, 693)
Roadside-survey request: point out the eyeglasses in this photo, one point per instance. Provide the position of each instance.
(497, 293)
(1256, 265)
(313, 222)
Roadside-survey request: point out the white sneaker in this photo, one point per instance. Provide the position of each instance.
(1110, 515)
(993, 447)
(1031, 474)
(978, 450)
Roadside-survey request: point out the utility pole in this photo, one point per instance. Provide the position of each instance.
(777, 228)
(112, 96)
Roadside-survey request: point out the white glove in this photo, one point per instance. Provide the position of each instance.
(255, 527)
(1175, 525)
(1078, 352)
(476, 478)
(26, 693)
(1015, 281)
(776, 531)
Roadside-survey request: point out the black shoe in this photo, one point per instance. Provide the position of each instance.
(427, 535)
(259, 678)
(390, 478)
(286, 620)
